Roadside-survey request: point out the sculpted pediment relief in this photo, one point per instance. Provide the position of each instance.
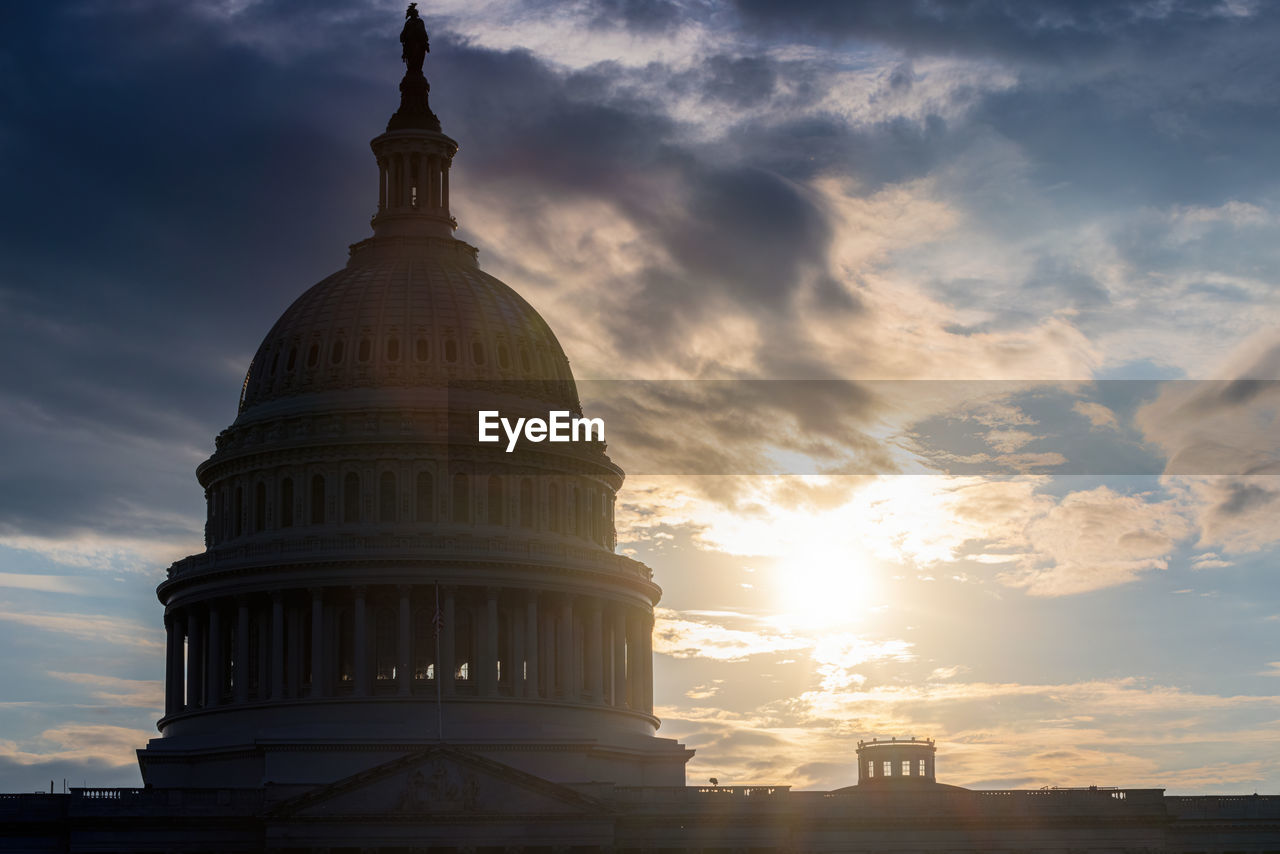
(439, 781)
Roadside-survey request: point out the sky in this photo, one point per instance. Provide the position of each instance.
(939, 339)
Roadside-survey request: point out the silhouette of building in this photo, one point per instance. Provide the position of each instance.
(400, 639)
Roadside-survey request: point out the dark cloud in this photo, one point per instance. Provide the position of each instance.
(1040, 31)
(1244, 497)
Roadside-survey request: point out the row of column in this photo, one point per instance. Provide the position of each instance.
(413, 180)
(489, 642)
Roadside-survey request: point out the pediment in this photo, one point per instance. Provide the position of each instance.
(439, 781)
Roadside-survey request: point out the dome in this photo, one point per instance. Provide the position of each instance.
(408, 313)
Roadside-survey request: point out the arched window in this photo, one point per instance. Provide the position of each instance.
(422, 348)
(351, 497)
(424, 498)
(313, 356)
(385, 644)
(286, 503)
(259, 507)
(461, 498)
(495, 500)
(424, 644)
(337, 351)
(317, 499)
(462, 644)
(451, 350)
(387, 497)
(526, 503)
(553, 507)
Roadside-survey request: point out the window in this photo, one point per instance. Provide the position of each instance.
(313, 356)
(260, 507)
(461, 498)
(424, 500)
(393, 349)
(286, 503)
(422, 349)
(495, 500)
(526, 503)
(424, 644)
(365, 351)
(385, 647)
(871, 769)
(317, 499)
(292, 362)
(351, 498)
(477, 353)
(906, 768)
(451, 351)
(919, 767)
(553, 507)
(346, 646)
(336, 353)
(887, 769)
(387, 497)
(462, 644)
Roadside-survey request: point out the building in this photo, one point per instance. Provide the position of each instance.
(402, 639)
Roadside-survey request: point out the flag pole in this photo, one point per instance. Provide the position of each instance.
(437, 620)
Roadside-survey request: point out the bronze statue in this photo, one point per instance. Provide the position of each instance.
(414, 40)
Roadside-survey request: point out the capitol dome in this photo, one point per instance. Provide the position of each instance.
(377, 581)
(407, 313)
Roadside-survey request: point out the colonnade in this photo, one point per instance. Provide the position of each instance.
(414, 180)
(394, 640)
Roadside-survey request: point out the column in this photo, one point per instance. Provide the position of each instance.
(263, 651)
(406, 181)
(646, 661)
(547, 641)
(170, 675)
(515, 650)
(489, 654)
(382, 183)
(240, 673)
(277, 645)
(593, 643)
(361, 651)
(194, 681)
(445, 666)
(531, 644)
(431, 197)
(213, 672)
(319, 672)
(444, 186)
(619, 657)
(564, 650)
(404, 651)
(633, 662)
(293, 684)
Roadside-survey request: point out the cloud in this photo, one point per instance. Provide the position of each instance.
(1098, 538)
(94, 628)
(114, 691)
(80, 743)
(676, 635)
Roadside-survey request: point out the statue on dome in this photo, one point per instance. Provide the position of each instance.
(413, 38)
